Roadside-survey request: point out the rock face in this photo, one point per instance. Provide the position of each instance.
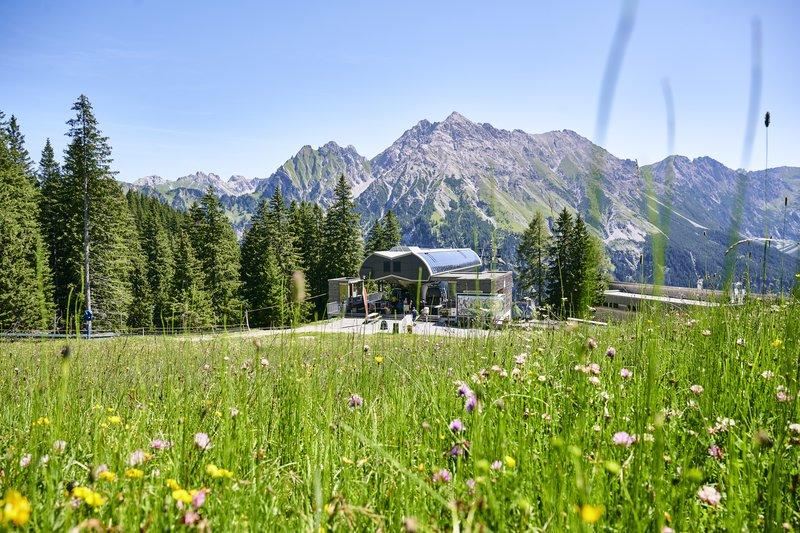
(311, 174)
(200, 181)
(462, 183)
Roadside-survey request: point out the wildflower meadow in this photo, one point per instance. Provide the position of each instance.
(670, 421)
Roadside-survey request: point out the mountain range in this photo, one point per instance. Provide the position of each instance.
(461, 183)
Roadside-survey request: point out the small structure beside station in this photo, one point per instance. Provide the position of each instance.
(443, 284)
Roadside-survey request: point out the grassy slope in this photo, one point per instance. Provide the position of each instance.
(301, 458)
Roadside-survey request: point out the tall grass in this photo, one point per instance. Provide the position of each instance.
(302, 459)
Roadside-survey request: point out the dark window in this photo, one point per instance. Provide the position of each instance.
(396, 266)
(386, 267)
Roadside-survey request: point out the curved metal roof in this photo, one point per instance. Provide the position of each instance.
(437, 260)
(443, 260)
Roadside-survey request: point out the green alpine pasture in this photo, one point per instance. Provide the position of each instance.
(669, 421)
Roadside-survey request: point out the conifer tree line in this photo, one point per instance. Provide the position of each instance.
(566, 270)
(152, 267)
(384, 235)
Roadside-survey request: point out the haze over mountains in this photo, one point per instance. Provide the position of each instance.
(461, 183)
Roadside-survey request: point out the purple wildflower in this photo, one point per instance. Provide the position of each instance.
(611, 352)
(622, 438)
(457, 450)
(160, 444)
(199, 498)
(497, 465)
(25, 460)
(202, 441)
(191, 518)
(463, 389)
(442, 476)
(716, 452)
(470, 403)
(136, 458)
(355, 401)
(471, 485)
(709, 495)
(457, 426)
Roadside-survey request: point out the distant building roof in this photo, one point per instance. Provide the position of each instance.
(436, 260)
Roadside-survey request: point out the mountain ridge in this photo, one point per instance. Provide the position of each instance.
(458, 182)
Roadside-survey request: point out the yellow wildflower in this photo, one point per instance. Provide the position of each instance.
(590, 513)
(182, 495)
(777, 343)
(95, 499)
(509, 461)
(107, 475)
(134, 473)
(42, 421)
(92, 498)
(173, 484)
(216, 472)
(379, 359)
(114, 419)
(14, 508)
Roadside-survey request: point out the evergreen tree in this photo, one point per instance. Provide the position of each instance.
(307, 221)
(140, 314)
(580, 270)
(559, 277)
(532, 258)
(189, 304)
(217, 249)
(24, 275)
(342, 247)
(384, 235)
(269, 258)
(578, 267)
(88, 223)
(374, 238)
(253, 251)
(599, 270)
(49, 168)
(391, 231)
(157, 251)
(16, 146)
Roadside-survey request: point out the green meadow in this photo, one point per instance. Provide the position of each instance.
(668, 421)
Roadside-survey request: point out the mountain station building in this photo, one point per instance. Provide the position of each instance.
(446, 284)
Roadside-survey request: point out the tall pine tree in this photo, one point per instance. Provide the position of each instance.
(559, 277)
(48, 166)
(269, 258)
(384, 235)
(532, 258)
(308, 220)
(85, 211)
(217, 249)
(24, 274)
(18, 152)
(342, 246)
(189, 303)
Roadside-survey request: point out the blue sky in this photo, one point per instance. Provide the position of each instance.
(238, 87)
